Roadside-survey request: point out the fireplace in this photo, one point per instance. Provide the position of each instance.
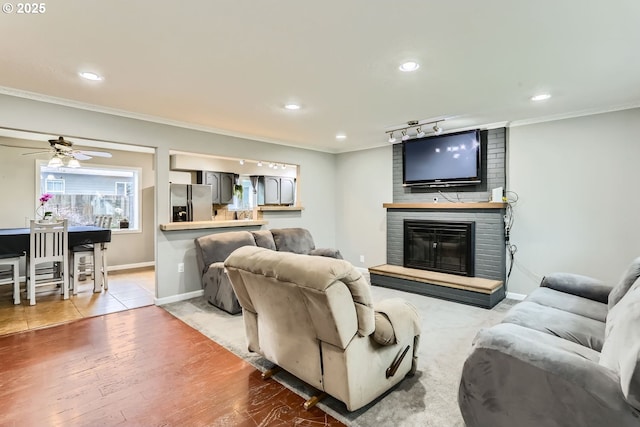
(446, 247)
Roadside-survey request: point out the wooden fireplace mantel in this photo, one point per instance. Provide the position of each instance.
(458, 205)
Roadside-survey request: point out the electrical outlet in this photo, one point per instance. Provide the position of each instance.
(181, 267)
(361, 258)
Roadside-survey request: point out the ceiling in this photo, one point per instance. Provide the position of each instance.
(230, 66)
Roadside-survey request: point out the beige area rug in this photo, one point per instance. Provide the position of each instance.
(430, 398)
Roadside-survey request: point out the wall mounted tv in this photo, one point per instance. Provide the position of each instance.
(443, 160)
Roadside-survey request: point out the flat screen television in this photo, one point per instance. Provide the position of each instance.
(443, 160)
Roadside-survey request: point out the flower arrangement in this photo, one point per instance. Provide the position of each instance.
(43, 201)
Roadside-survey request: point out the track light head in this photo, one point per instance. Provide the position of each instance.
(392, 138)
(420, 132)
(437, 129)
(404, 135)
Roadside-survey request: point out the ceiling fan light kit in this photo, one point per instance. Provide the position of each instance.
(63, 153)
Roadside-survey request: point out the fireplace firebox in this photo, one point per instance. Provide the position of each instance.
(446, 247)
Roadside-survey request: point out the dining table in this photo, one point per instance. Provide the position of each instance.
(17, 240)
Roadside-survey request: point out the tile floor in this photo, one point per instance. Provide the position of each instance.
(127, 289)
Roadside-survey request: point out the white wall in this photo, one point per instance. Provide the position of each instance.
(364, 182)
(579, 204)
(317, 178)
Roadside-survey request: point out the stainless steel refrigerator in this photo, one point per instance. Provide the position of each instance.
(190, 202)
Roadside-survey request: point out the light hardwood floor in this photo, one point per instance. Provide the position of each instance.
(140, 367)
(127, 289)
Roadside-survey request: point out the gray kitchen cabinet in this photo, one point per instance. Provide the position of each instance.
(221, 185)
(276, 190)
(287, 190)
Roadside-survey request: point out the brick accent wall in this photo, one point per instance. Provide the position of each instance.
(489, 246)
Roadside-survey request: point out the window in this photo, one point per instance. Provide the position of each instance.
(82, 194)
(246, 201)
(53, 185)
(123, 188)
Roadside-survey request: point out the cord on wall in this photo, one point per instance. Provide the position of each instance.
(511, 199)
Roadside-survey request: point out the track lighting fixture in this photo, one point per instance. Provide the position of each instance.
(242, 162)
(259, 163)
(418, 125)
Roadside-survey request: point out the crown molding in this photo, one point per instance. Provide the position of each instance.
(18, 93)
(574, 114)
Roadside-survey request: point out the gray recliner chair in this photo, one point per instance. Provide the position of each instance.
(314, 317)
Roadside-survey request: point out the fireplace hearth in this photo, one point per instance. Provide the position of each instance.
(442, 246)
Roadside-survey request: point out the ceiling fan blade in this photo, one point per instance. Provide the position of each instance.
(36, 152)
(95, 153)
(79, 155)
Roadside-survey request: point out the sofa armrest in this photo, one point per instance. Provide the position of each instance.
(397, 321)
(516, 373)
(575, 284)
(331, 253)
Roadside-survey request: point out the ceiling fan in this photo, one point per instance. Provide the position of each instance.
(62, 149)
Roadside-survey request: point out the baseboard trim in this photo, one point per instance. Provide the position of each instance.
(179, 297)
(515, 296)
(131, 266)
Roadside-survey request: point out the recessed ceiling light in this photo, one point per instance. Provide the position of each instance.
(409, 66)
(541, 97)
(341, 136)
(292, 106)
(90, 76)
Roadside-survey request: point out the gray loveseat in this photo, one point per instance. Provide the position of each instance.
(568, 355)
(213, 249)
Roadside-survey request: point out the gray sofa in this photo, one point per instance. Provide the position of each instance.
(568, 355)
(213, 249)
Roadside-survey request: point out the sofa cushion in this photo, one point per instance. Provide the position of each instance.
(578, 285)
(627, 279)
(563, 324)
(568, 302)
(621, 350)
(264, 239)
(296, 240)
(218, 246)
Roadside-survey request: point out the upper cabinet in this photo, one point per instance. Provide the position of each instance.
(276, 190)
(287, 190)
(221, 185)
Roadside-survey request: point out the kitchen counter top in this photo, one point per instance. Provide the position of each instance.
(197, 225)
